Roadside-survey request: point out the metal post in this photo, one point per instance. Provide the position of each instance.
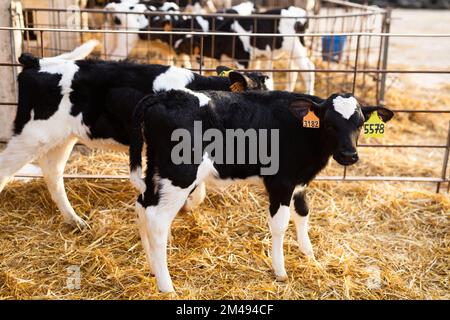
(355, 70)
(201, 55)
(387, 29)
(445, 162)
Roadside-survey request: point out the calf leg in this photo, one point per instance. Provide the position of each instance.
(142, 223)
(19, 152)
(158, 222)
(280, 197)
(300, 217)
(52, 165)
(308, 77)
(292, 76)
(195, 198)
(299, 59)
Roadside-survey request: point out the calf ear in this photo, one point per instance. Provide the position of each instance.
(222, 70)
(384, 113)
(300, 107)
(239, 82)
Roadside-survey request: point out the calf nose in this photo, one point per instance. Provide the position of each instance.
(350, 156)
(117, 21)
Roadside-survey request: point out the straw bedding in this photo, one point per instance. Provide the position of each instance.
(371, 240)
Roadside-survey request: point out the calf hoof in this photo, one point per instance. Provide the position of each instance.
(78, 223)
(306, 247)
(283, 278)
(168, 288)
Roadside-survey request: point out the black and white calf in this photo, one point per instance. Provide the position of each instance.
(62, 101)
(302, 152)
(292, 20)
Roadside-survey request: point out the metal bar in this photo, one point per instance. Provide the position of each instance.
(306, 70)
(445, 162)
(385, 55)
(400, 35)
(355, 71)
(318, 178)
(210, 15)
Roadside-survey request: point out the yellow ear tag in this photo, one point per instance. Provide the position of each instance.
(374, 127)
(225, 73)
(311, 120)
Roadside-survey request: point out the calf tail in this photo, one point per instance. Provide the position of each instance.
(30, 61)
(80, 52)
(137, 141)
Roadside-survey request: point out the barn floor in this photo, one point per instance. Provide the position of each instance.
(371, 241)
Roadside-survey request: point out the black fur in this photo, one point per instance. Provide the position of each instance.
(303, 152)
(104, 92)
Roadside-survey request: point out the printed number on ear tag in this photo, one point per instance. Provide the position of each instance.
(311, 120)
(374, 127)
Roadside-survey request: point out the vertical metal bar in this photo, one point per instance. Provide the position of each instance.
(385, 55)
(41, 35)
(355, 73)
(445, 162)
(355, 70)
(201, 55)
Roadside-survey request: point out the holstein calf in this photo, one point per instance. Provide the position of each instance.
(297, 154)
(292, 21)
(243, 50)
(62, 101)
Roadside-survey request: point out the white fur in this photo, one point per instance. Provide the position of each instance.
(301, 226)
(142, 224)
(169, 5)
(278, 225)
(203, 99)
(66, 68)
(244, 8)
(137, 181)
(204, 24)
(173, 78)
(345, 106)
(78, 53)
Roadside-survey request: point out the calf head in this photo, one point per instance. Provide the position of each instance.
(341, 119)
(130, 14)
(127, 14)
(244, 81)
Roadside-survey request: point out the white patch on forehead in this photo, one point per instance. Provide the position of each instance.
(173, 78)
(345, 106)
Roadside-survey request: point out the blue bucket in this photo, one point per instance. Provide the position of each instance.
(332, 47)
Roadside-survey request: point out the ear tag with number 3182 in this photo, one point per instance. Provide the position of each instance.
(374, 127)
(311, 120)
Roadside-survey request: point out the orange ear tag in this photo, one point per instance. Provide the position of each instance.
(237, 87)
(311, 120)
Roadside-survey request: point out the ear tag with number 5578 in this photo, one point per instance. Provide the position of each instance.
(311, 120)
(374, 127)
